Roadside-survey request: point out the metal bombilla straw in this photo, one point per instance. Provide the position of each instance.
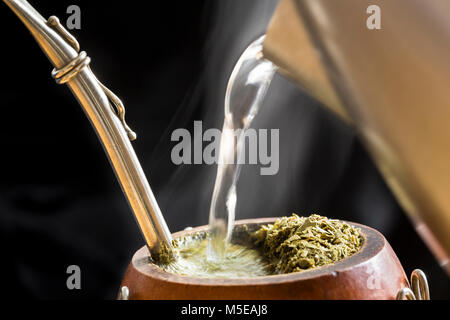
(72, 68)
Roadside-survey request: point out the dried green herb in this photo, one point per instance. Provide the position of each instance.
(165, 255)
(298, 243)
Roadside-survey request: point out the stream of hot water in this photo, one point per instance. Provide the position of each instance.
(215, 256)
(246, 89)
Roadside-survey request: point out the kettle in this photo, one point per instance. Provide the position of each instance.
(391, 83)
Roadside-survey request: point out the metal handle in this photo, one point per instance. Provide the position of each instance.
(420, 289)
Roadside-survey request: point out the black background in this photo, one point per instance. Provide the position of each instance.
(169, 62)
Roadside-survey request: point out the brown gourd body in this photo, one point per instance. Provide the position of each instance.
(373, 273)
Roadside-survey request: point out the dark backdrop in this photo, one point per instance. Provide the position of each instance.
(169, 61)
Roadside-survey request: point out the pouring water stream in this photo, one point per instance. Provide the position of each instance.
(246, 89)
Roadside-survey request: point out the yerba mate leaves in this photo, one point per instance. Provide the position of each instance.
(298, 243)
